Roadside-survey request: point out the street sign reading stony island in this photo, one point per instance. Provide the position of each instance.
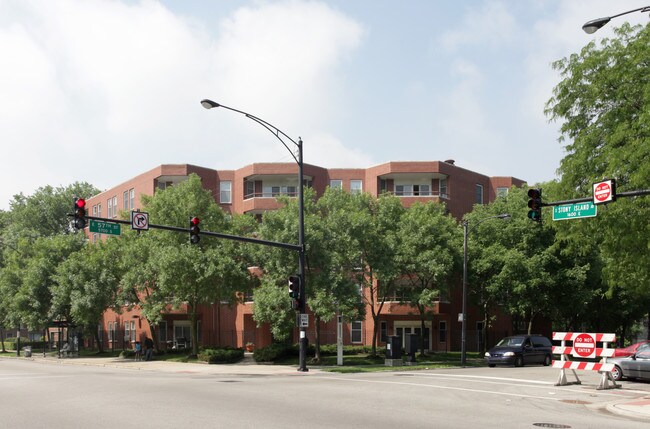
(574, 211)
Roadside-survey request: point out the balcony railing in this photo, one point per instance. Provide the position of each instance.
(269, 195)
(419, 194)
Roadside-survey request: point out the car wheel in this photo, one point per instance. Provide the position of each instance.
(519, 361)
(491, 365)
(617, 374)
(547, 360)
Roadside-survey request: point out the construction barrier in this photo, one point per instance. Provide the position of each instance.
(584, 346)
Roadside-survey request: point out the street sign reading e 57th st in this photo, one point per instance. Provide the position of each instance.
(574, 211)
(102, 227)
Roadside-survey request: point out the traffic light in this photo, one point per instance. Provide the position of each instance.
(79, 213)
(535, 204)
(294, 292)
(194, 230)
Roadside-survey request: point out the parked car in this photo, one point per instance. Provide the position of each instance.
(629, 350)
(634, 366)
(520, 350)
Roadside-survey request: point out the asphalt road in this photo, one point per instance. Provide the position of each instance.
(50, 395)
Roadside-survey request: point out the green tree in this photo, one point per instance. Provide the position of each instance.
(184, 274)
(35, 240)
(86, 284)
(602, 103)
(429, 253)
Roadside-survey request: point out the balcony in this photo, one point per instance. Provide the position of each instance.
(261, 191)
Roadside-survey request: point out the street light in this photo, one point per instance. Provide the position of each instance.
(466, 230)
(280, 135)
(592, 26)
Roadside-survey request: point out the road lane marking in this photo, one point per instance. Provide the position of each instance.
(433, 386)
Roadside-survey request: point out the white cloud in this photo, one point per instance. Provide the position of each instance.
(100, 91)
(491, 24)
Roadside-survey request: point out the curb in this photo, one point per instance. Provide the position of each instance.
(638, 408)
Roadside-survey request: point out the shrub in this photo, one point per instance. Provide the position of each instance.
(221, 355)
(274, 352)
(124, 354)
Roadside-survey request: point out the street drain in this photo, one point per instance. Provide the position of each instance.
(575, 401)
(551, 425)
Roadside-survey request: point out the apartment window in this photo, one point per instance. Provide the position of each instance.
(112, 207)
(274, 191)
(249, 189)
(403, 190)
(94, 237)
(225, 192)
(479, 194)
(442, 332)
(356, 186)
(443, 188)
(111, 331)
(128, 198)
(336, 184)
(421, 190)
(162, 332)
(355, 331)
(502, 191)
(95, 210)
(127, 331)
(383, 186)
(100, 332)
(99, 210)
(164, 185)
(383, 332)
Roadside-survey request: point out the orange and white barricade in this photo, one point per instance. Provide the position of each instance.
(583, 345)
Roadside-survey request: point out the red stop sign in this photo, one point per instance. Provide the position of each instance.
(584, 345)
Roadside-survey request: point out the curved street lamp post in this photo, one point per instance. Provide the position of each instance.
(594, 25)
(280, 135)
(466, 230)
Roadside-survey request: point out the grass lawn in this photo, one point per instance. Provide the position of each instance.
(365, 363)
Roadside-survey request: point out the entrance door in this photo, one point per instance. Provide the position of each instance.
(403, 330)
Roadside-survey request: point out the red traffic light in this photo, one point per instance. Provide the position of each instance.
(80, 203)
(194, 230)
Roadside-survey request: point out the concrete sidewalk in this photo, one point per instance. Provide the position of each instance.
(247, 366)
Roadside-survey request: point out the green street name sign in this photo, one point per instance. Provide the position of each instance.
(102, 227)
(574, 211)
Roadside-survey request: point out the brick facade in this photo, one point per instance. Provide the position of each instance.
(252, 189)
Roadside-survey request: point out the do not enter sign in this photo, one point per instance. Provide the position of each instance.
(604, 191)
(584, 346)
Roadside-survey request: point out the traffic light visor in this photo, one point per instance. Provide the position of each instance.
(534, 193)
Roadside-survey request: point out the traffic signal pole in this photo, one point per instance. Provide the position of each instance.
(588, 199)
(281, 245)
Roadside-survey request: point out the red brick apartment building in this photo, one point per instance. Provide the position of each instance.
(251, 190)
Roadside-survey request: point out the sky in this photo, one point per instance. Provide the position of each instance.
(100, 91)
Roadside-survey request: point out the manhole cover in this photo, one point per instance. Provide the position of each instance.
(551, 425)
